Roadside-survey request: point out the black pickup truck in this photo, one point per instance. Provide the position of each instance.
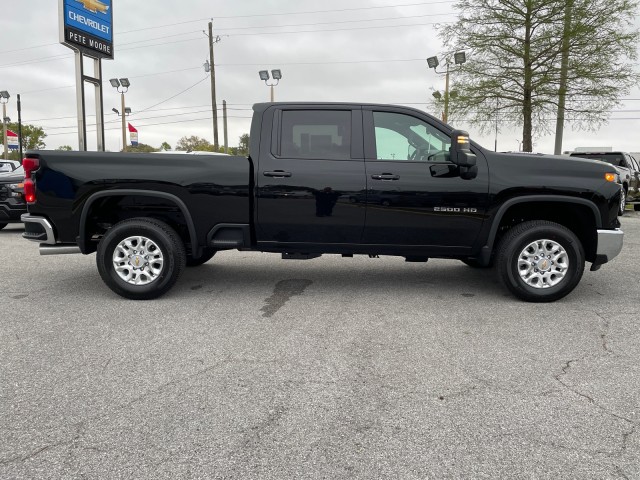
(329, 178)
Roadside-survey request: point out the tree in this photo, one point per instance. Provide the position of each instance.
(189, 144)
(597, 36)
(165, 146)
(243, 146)
(32, 136)
(65, 148)
(514, 51)
(141, 148)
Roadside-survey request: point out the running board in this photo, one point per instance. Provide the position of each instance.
(59, 249)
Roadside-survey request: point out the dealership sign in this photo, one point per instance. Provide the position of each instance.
(87, 25)
(133, 133)
(13, 142)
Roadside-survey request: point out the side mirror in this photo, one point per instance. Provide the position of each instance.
(461, 150)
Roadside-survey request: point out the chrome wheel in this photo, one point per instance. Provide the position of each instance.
(543, 264)
(623, 200)
(138, 260)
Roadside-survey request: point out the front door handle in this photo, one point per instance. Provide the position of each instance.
(386, 176)
(277, 174)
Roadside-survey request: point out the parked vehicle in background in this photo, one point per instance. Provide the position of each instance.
(421, 189)
(12, 204)
(628, 170)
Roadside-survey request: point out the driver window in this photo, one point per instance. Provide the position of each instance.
(401, 137)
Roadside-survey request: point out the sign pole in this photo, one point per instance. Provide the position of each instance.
(86, 26)
(82, 124)
(97, 63)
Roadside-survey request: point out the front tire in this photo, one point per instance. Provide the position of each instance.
(2, 225)
(540, 261)
(140, 258)
(623, 201)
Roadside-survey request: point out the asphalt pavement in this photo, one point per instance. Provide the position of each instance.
(254, 367)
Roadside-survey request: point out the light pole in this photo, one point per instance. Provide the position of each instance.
(127, 112)
(459, 58)
(264, 76)
(122, 86)
(4, 98)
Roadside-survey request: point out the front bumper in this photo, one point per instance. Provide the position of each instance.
(11, 209)
(609, 246)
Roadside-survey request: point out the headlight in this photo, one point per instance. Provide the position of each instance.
(612, 177)
(15, 189)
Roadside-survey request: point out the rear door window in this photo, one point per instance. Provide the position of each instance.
(316, 134)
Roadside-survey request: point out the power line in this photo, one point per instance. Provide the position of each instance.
(177, 94)
(376, 7)
(290, 13)
(149, 124)
(69, 57)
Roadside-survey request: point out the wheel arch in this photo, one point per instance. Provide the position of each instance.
(567, 211)
(82, 239)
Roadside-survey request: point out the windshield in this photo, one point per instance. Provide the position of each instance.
(614, 159)
(6, 167)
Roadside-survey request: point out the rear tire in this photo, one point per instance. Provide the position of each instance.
(207, 255)
(140, 258)
(540, 261)
(636, 207)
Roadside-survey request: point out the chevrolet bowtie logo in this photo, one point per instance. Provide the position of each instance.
(94, 6)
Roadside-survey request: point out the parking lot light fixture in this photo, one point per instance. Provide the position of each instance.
(432, 62)
(277, 76)
(459, 58)
(122, 86)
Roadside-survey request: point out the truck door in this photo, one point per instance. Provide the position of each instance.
(307, 180)
(415, 196)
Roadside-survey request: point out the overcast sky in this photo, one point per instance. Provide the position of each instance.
(360, 51)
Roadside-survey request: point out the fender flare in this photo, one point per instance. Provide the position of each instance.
(145, 193)
(487, 249)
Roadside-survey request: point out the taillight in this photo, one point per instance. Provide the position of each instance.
(29, 191)
(30, 165)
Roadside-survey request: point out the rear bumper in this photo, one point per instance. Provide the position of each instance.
(609, 246)
(38, 229)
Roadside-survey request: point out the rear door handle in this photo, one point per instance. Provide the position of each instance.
(386, 176)
(277, 174)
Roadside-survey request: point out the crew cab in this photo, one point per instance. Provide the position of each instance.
(315, 183)
(628, 172)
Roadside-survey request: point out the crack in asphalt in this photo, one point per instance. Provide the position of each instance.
(604, 333)
(81, 425)
(607, 351)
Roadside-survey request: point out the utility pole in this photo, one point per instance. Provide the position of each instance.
(214, 106)
(224, 117)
